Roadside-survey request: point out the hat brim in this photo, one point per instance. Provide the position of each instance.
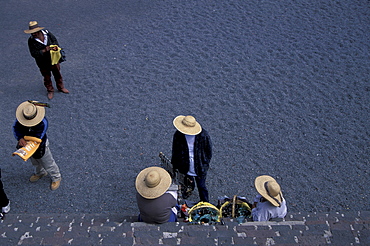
(157, 191)
(259, 183)
(34, 30)
(38, 118)
(195, 130)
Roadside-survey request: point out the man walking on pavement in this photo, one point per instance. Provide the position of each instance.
(41, 44)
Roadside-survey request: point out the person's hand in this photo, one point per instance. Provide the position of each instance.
(47, 48)
(22, 142)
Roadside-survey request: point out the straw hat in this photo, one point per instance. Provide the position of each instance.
(152, 182)
(269, 189)
(187, 125)
(28, 114)
(33, 27)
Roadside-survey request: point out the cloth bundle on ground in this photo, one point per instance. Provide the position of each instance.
(27, 151)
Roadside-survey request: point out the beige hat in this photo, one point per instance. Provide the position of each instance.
(187, 125)
(28, 114)
(269, 189)
(152, 182)
(33, 27)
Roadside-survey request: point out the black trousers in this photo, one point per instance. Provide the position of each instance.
(4, 201)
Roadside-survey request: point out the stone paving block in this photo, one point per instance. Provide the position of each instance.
(197, 241)
(364, 237)
(54, 241)
(171, 226)
(169, 241)
(316, 229)
(146, 241)
(141, 226)
(364, 215)
(115, 240)
(340, 226)
(286, 231)
(222, 227)
(311, 240)
(222, 240)
(194, 233)
(71, 241)
(153, 234)
(245, 227)
(228, 233)
(264, 241)
(243, 241)
(7, 241)
(261, 234)
(299, 227)
(342, 237)
(286, 240)
(204, 228)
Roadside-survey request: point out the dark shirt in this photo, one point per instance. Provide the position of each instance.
(202, 153)
(43, 59)
(156, 211)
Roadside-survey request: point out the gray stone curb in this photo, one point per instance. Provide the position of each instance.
(103, 229)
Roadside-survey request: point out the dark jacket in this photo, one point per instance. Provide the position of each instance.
(43, 60)
(202, 153)
(38, 131)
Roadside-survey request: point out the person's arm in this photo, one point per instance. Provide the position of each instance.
(40, 129)
(36, 49)
(18, 134)
(53, 39)
(175, 151)
(208, 147)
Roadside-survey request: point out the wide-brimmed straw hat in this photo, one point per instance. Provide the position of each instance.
(187, 125)
(33, 27)
(152, 182)
(28, 114)
(269, 189)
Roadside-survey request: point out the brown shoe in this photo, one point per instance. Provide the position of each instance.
(35, 177)
(55, 185)
(64, 90)
(50, 95)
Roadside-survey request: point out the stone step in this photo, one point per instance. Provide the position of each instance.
(351, 228)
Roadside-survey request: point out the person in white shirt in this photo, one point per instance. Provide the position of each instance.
(269, 203)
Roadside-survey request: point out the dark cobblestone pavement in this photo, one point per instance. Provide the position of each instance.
(350, 228)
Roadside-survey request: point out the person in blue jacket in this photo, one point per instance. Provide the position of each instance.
(31, 121)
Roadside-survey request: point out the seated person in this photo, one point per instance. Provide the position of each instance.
(157, 204)
(270, 202)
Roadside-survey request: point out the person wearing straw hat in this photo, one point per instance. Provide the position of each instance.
(40, 44)
(269, 203)
(31, 121)
(192, 153)
(157, 204)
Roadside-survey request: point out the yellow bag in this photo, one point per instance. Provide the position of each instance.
(27, 151)
(55, 55)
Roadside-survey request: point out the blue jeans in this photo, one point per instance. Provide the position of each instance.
(202, 189)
